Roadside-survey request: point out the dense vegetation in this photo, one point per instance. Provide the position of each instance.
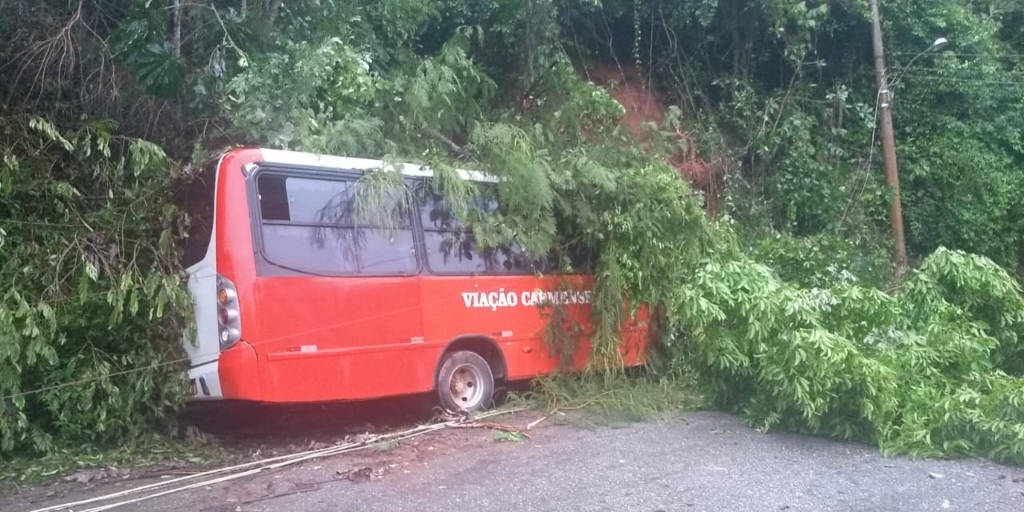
(784, 308)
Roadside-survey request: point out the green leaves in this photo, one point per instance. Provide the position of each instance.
(448, 91)
(331, 92)
(932, 372)
(91, 297)
(159, 70)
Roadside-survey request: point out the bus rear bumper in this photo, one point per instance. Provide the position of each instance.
(205, 381)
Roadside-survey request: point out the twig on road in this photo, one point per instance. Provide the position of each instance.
(538, 421)
(492, 426)
(301, 490)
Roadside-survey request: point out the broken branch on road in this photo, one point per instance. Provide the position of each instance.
(538, 421)
(492, 426)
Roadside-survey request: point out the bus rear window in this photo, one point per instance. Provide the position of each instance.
(196, 197)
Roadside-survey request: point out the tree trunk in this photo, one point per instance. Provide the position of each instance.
(176, 28)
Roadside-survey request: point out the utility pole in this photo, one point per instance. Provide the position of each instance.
(892, 177)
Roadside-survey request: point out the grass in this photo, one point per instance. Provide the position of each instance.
(509, 437)
(614, 399)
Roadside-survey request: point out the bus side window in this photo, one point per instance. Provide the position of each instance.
(310, 225)
(449, 246)
(452, 247)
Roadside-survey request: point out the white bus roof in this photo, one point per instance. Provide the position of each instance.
(277, 156)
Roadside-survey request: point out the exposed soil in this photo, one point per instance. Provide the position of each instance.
(643, 105)
(623, 83)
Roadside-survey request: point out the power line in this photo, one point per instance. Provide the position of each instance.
(42, 223)
(860, 180)
(74, 297)
(962, 69)
(993, 55)
(964, 80)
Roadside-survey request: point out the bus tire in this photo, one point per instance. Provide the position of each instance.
(465, 382)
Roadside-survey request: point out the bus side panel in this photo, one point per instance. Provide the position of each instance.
(527, 359)
(358, 374)
(455, 306)
(326, 337)
(341, 338)
(502, 308)
(635, 337)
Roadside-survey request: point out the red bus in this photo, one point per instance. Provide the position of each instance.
(297, 300)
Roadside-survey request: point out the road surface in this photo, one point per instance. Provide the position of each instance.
(707, 462)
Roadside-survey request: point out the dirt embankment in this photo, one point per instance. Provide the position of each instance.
(642, 105)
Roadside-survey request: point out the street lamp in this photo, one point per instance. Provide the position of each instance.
(937, 46)
(892, 179)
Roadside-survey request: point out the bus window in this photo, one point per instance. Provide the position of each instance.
(452, 247)
(313, 226)
(197, 198)
(449, 246)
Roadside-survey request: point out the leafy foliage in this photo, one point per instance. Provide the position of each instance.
(88, 241)
(330, 89)
(932, 372)
(824, 261)
(159, 71)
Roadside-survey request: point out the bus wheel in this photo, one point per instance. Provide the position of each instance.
(465, 382)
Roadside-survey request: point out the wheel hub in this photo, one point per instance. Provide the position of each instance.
(465, 387)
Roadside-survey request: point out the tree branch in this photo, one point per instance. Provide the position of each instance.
(456, 149)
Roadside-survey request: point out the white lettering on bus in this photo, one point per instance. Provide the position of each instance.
(538, 297)
(491, 300)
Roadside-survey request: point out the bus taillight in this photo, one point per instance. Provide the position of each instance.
(227, 313)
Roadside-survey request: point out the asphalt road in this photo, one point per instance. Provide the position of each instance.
(709, 462)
